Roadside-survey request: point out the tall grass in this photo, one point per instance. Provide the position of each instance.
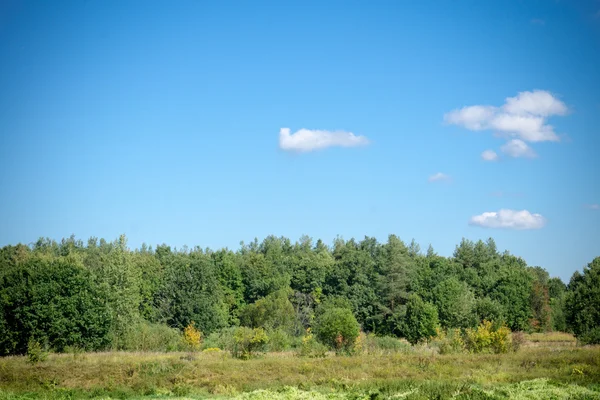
(124, 375)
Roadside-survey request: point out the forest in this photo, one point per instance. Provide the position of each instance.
(101, 295)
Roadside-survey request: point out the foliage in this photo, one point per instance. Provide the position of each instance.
(486, 338)
(275, 311)
(54, 301)
(222, 339)
(449, 342)
(382, 345)
(337, 328)
(248, 341)
(191, 292)
(35, 352)
(192, 337)
(583, 303)
(455, 303)
(101, 295)
(310, 347)
(147, 336)
(421, 320)
(280, 340)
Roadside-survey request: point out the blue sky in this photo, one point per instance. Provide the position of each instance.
(162, 120)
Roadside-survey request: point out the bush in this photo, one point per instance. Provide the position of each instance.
(222, 339)
(192, 337)
(310, 347)
(35, 352)
(592, 336)
(501, 340)
(337, 328)
(279, 340)
(485, 338)
(449, 342)
(380, 345)
(146, 336)
(248, 341)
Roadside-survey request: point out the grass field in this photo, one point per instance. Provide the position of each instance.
(540, 371)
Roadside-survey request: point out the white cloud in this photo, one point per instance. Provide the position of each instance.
(509, 219)
(538, 21)
(439, 177)
(475, 118)
(523, 116)
(306, 140)
(489, 155)
(538, 102)
(518, 148)
(593, 206)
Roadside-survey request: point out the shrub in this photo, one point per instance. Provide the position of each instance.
(222, 339)
(380, 345)
(485, 338)
(146, 336)
(310, 347)
(192, 337)
(35, 352)
(279, 340)
(449, 342)
(591, 336)
(212, 350)
(337, 328)
(501, 340)
(248, 341)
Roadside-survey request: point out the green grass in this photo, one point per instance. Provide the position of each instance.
(544, 372)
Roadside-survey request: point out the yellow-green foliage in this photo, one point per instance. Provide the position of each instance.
(501, 340)
(310, 347)
(248, 341)
(487, 339)
(359, 343)
(192, 337)
(449, 342)
(211, 350)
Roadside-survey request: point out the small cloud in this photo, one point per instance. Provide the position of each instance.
(508, 219)
(523, 116)
(439, 177)
(538, 21)
(518, 149)
(597, 15)
(306, 140)
(489, 155)
(592, 206)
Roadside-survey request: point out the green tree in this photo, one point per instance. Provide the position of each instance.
(272, 312)
(52, 300)
(191, 293)
(396, 270)
(512, 290)
(582, 303)
(421, 320)
(231, 282)
(557, 291)
(455, 303)
(336, 327)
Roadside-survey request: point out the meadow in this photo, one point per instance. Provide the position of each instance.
(548, 366)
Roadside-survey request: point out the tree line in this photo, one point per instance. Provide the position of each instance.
(102, 295)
